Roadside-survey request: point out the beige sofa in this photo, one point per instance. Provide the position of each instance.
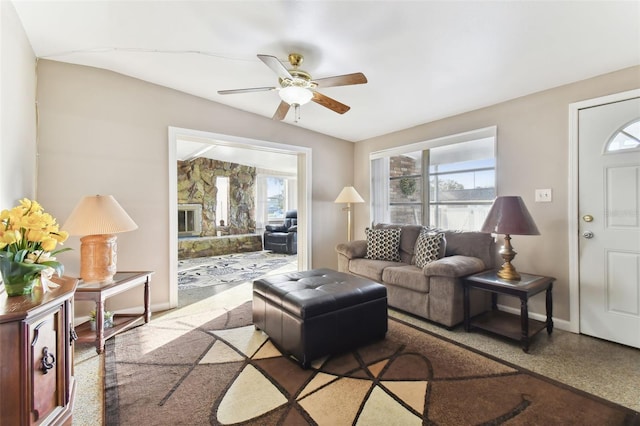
(434, 292)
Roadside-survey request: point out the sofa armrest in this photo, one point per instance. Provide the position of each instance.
(353, 249)
(454, 266)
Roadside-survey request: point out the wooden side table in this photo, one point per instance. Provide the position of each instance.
(99, 292)
(516, 327)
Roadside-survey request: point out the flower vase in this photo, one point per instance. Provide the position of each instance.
(19, 278)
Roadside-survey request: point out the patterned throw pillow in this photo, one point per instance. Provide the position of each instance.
(427, 247)
(383, 244)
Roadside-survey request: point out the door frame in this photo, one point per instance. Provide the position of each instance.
(573, 202)
(304, 195)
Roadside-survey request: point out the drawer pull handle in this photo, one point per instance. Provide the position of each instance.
(73, 336)
(48, 360)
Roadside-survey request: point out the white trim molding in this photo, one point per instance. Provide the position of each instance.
(304, 199)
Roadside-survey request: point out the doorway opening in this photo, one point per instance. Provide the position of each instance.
(291, 160)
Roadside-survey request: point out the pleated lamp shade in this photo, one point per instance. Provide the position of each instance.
(97, 218)
(98, 214)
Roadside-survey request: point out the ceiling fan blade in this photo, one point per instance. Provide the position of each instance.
(327, 102)
(275, 64)
(282, 111)
(342, 80)
(254, 89)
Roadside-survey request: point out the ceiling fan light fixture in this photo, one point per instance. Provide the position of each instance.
(294, 95)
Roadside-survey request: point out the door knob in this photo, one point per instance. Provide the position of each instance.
(587, 234)
(587, 218)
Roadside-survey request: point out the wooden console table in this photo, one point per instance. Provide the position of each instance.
(99, 292)
(516, 327)
(36, 356)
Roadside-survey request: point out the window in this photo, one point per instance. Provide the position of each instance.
(446, 183)
(276, 197)
(626, 138)
(405, 188)
(222, 200)
(275, 194)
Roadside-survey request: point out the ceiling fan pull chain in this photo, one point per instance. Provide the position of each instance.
(296, 112)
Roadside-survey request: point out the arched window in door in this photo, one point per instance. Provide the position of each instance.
(628, 137)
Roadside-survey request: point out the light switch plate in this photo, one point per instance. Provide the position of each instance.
(543, 195)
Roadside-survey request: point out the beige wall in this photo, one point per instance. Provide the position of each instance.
(105, 133)
(532, 149)
(17, 111)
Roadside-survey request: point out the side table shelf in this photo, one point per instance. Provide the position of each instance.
(517, 327)
(99, 293)
(506, 324)
(120, 323)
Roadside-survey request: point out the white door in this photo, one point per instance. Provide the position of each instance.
(609, 216)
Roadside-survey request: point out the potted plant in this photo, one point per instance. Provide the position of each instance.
(28, 238)
(108, 319)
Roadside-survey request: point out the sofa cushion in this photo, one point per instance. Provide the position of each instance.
(429, 247)
(383, 244)
(406, 276)
(371, 269)
(473, 244)
(408, 236)
(454, 266)
(353, 249)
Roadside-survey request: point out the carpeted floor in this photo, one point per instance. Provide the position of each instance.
(206, 364)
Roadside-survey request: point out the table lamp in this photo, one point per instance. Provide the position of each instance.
(349, 195)
(509, 216)
(98, 218)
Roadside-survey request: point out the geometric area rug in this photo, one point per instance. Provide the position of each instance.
(209, 365)
(230, 268)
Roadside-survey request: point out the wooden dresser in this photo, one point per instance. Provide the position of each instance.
(36, 356)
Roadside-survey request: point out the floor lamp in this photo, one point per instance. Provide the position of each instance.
(349, 195)
(98, 218)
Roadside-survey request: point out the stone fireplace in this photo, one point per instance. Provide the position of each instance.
(200, 230)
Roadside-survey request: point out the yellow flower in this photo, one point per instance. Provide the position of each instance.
(29, 235)
(60, 236)
(36, 235)
(9, 237)
(48, 244)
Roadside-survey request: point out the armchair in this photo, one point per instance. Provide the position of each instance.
(283, 238)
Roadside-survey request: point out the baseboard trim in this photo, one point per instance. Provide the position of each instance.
(560, 324)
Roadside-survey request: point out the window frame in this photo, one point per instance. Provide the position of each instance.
(426, 146)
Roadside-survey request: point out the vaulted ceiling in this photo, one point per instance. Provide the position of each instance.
(424, 60)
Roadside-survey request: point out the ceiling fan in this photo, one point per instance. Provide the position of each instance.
(298, 88)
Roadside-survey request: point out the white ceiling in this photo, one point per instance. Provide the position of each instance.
(424, 60)
(189, 148)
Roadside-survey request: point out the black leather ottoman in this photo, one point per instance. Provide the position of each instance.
(320, 312)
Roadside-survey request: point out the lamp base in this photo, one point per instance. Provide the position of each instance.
(98, 258)
(508, 271)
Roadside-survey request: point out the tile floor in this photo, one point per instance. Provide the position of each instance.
(605, 369)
